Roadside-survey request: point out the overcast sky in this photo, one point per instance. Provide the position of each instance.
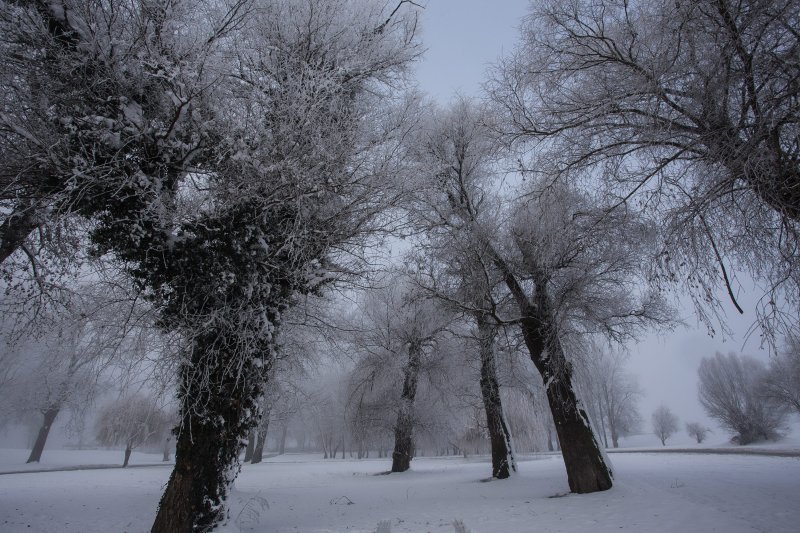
(462, 38)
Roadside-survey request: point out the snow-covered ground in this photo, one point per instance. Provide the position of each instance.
(13, 459)
(653, 493)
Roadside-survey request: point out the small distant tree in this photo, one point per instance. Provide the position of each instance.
(665, 424)
(697, 431)
(733, 391)
(131, 421)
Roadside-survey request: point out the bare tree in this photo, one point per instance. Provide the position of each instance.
(688, 108)
(733, 391)
(61, 362)
(665, 423)
(228, 165)
(132, 421)
(697, 431)
(568, 266)
(451, 267)
(783, 377)
(401, 322)
(613, 391)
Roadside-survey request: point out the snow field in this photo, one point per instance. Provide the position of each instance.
(653, 493)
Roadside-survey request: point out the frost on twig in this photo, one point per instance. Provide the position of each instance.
(250, 515)
(341, 500)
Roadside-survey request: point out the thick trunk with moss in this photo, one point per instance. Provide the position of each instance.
(403, 430)
(214, 424)
(499, 434)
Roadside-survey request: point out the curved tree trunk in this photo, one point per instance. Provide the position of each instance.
(38, 446)
(584, 461)
(499, 434)
(403, 430)
(587, 470)
(128, 451)
(215, 407)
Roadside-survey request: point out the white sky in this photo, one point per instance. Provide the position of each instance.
(462, 38)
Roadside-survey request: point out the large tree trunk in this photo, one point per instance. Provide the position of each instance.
(128, 451)
(403, 430)
(499, 434)
(38, 446)
(587, 470)
(584, 461)
(216, 399)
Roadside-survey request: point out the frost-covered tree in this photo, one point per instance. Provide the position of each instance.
(783, 377)
(101, 107)
(225, 156)
(63, 363)
(733, 391)
(697, 431)
(569, 267)
(131, 421)
(686, 109)
(451, 266)
(305, 168)
(665, 423)
(611, 392)
(402, 327)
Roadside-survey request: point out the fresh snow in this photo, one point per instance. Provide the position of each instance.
(653, 493)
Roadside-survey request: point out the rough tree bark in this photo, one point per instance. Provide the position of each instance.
(214, 421)
(49, 417)
(403, 430)
(587, 470)
(499, 434)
